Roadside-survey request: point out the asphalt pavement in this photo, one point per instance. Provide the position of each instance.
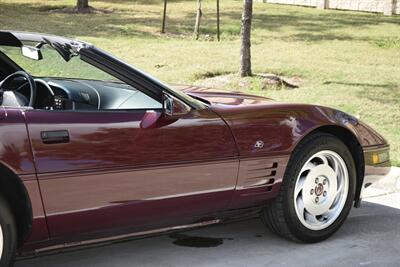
(369, 237)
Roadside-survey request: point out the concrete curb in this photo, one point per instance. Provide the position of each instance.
(388, 185)
(391, 182)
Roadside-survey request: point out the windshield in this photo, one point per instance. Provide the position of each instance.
(53, 65)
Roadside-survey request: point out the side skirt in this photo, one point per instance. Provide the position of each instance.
(113, 239)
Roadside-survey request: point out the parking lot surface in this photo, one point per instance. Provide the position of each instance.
(369, 237)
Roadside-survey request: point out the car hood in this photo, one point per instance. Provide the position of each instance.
(222, 97)
(251, 117)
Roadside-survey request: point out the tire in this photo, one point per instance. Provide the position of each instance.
(293, 214)
(8, 235)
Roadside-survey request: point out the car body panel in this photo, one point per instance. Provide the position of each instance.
(15, 154)
(255, 118)
(39, 230)
(105, 139)
(15, 149)
(117, 167)
(299, 119)
(143, 199)
(259, 180)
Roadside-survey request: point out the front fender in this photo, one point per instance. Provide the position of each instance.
(282, 126)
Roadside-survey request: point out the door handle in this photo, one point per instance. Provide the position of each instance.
(55, 137)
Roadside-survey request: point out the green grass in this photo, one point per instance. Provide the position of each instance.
(345, 60)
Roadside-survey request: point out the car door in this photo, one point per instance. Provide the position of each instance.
(118, 170)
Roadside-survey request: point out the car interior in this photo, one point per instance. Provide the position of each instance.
(57, 93)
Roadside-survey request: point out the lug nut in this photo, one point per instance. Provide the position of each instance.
(325, 181)
(316, 180)
(312, 191)
(317, 199)
(325, 193)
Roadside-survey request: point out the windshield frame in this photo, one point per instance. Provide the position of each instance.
(109, 64)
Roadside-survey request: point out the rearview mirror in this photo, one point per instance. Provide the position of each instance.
(174, 107)
(32, 52)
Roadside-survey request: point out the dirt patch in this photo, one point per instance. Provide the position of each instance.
(221, 81)
(210, 74)
(261, 81)
(74, 10)
(269, 80)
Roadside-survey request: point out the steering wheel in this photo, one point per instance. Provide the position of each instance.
(29, 80)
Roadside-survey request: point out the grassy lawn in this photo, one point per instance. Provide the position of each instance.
(345, 60)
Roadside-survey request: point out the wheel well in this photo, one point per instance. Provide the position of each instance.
(348, 138)
(14, 192)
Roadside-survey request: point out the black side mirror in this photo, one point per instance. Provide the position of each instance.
(174, 107)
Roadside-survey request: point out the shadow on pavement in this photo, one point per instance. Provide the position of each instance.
(369, 237)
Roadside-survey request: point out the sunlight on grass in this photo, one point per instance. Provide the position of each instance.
(346, 60)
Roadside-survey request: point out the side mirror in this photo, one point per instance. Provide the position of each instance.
(174, 107)
(32, 52)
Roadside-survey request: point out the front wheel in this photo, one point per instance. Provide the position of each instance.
(8, 235)
(317, 191)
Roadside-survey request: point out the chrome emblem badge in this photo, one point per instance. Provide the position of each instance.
(259, 144)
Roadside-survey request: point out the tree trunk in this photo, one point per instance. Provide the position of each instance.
(82, 5)
(218, 22)
(198, 20)
(245, 51)
(164, 17)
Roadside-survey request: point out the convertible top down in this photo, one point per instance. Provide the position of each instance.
(93, 150)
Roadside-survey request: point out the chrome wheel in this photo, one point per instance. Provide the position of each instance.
(321, 190)
(1, 242)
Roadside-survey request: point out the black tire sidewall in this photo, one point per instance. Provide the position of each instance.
(299, 158)
(9, 235)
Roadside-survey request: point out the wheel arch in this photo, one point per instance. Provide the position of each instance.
(351, 141)
(15, 193)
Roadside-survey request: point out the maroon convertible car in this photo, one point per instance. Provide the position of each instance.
(94, 150)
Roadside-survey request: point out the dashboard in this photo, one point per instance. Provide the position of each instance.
(76, 94)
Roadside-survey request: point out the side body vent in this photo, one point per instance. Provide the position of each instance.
(259, 180)
(261, 172)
